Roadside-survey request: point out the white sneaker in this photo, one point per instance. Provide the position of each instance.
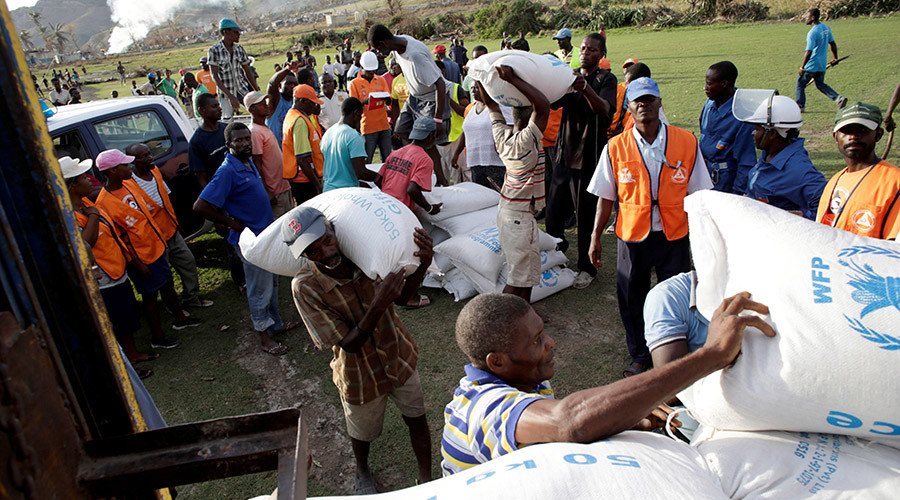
(582, 280)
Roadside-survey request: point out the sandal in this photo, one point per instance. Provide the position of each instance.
(144, 373)
(287, 327)
(633, 369)
(150, 356)
(276, 350)
(424, 301)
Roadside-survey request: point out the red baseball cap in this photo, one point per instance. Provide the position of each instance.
(306, 92)
(439, 49)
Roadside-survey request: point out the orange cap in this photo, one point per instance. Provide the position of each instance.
(629, 62)
(306, 92)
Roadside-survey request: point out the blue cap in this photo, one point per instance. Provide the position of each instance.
(563, 33)
(422, 127)
(641, 87)
(226, 23)
(151, 75)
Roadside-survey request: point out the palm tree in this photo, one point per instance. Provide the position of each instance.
(25, 38)
(35, 18)
(61, 37)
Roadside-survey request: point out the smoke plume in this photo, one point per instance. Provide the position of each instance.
(135, 20)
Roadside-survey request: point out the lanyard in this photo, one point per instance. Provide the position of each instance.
(831, 197)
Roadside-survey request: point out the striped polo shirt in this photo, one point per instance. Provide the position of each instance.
(480, 422)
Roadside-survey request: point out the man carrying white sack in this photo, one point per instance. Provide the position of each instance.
(427, 91)
(374, 355)
(519, 146)
(506, 390)
(648, 172)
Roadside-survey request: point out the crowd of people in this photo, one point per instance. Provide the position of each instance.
(603, 152)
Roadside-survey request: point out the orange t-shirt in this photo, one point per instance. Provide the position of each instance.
(375, 118)
(205, 77)
(552, 128)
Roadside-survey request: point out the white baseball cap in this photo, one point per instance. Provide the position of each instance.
(369, 61)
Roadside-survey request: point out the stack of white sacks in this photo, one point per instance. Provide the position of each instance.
(815, 411)
(467, 246)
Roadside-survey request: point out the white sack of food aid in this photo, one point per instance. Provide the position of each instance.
(460, 198)
(469, 222)
(800, 465)
(268, 251)
(373, 229)
(629, 465)
(457, 284)
(553, 280)
(834, 301)
(548, 74)
(479, 252)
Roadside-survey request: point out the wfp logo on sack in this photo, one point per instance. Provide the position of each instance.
(870, 287)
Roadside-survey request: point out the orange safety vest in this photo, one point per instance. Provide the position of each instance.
(292, 171)
(551, 131)
(133, 218)
(868, 207)
(165, 219)
(109, 251)
(632, 179)
(618, 121)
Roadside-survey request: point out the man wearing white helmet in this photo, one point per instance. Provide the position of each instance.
(375, 127)
(784, 176)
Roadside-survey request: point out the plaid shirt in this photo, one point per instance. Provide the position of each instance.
(330, 308)
(231, 71)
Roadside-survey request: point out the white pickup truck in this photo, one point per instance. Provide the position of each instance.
(84, 130)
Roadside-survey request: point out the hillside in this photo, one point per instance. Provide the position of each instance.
(84, 18)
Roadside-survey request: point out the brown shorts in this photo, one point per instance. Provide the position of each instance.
(519, 241)
(364, 421)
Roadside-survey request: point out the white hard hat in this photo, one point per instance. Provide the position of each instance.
(369, 61)
(763, 107)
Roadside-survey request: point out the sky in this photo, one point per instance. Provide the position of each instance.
(15, 4)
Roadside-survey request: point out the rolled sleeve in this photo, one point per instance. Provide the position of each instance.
(663, 318)
(603, 183)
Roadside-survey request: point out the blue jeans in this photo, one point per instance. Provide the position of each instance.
(262, 294)
(819, 78)
(381, 140)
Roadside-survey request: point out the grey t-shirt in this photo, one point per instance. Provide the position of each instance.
(418, 68)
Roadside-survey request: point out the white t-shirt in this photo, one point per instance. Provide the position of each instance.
(603, 183)
(331, 108)
(418, 68)
(338, 68)
(150, 188)
(480, 148)
(61, 97)
(328, 68)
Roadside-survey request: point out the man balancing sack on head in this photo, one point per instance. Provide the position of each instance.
(863, 198)
(519, 147)
(505, 400)
(374, 355)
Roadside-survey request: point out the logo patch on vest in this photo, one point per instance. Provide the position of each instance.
(863, 220)
(625, 176)
(131, 221)
(129, 200)
(679, 176)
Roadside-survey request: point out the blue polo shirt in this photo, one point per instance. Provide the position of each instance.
(789, 182)
(670, 314)
(817, 41)
(725, 139)
(238, 189)
(276, 121)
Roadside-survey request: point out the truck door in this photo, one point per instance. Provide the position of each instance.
(155, 127)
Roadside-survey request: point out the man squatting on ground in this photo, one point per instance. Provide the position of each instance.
(512, 364)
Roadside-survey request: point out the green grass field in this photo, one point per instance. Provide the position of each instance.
(220, 371)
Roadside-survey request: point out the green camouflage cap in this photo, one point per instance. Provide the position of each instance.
(864, 114)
